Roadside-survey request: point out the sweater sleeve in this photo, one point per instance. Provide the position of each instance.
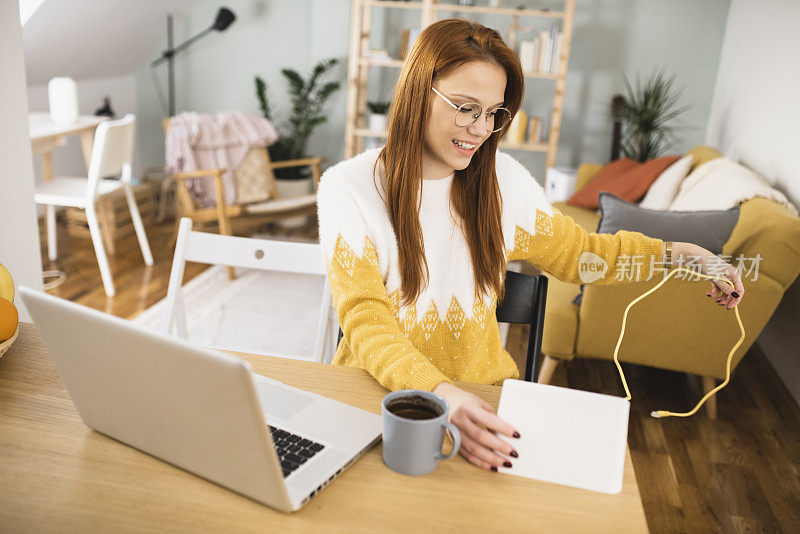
(557, 244)
(365, 311)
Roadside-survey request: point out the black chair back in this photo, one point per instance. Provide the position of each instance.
(523, 303)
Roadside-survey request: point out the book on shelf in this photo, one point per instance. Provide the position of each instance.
(544, 51)
(516, 131)
(557, 55)
(526, 129)
(541, 53)
(535, 128)
(407, 38)
(377, 53)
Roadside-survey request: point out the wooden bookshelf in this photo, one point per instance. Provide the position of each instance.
(360, 64)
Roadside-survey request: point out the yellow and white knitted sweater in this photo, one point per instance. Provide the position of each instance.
(450, 333)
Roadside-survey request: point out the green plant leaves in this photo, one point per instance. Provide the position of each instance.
(647, 111)
(307, 98)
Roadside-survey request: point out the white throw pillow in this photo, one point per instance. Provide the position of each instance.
(664, 189)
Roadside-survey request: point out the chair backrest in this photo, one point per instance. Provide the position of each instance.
(112, 152)
(253, 178)
(251, 253)
(523, 303)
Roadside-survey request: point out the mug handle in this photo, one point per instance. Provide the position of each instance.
(456, 441)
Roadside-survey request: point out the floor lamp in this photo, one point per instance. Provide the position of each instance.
(225, 18)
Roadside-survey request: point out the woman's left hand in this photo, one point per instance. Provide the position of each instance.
(691, 255)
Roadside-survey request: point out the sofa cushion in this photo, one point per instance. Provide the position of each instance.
(561, 314)
(676, 327)
(586, 173)
(709, 229)
(560, 319)
(769, 231)
(703, 154)
(665, 188)
(623, 177)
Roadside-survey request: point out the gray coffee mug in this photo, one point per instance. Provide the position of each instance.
(414, 446)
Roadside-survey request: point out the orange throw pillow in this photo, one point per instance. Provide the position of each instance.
(624, 178)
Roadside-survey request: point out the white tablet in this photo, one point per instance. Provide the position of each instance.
(569, 437)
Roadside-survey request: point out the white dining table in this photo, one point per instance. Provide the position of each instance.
(46, 135)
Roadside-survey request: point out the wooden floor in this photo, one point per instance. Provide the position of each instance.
(738, 473)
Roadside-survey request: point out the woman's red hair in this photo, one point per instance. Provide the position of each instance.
(441, 48)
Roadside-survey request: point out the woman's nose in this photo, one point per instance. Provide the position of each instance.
(480, 127)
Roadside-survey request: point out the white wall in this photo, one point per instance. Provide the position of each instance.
(217, 72)
(756, 108)
(19, 234)
(754, 119)
(93, 38)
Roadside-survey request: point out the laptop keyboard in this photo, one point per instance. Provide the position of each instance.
(293, 450)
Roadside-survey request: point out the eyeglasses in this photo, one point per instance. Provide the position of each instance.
(467, 114)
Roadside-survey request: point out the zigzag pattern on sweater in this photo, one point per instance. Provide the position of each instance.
(457, 320)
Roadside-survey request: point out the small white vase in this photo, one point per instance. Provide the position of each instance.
(289, 189)
(62, 94)
(376, 123)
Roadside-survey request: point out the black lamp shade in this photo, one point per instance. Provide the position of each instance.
(225, 18)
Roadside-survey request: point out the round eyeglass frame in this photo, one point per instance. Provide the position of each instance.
(476, 115)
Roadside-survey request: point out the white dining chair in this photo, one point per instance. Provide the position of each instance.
(112, 154)
(249, 253)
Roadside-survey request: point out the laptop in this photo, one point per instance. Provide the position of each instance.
(201, 410)
(570, 437)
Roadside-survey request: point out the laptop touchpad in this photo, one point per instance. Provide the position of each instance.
(279, 402)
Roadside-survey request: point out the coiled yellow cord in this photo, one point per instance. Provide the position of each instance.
(663, 413)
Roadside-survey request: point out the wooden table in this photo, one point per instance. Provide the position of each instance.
(56, 475)
(46, 135)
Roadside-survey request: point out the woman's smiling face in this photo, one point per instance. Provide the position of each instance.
(448, 147)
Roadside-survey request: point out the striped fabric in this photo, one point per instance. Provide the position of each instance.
(198, 141)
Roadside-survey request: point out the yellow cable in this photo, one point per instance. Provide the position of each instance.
(663, 413)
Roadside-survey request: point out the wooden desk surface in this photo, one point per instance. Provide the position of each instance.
(57, 475)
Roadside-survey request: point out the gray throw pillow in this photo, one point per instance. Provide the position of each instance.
(709, 229)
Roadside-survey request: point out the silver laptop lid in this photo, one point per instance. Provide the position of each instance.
(193, 408)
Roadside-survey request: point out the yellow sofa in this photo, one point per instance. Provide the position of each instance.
(677, 327)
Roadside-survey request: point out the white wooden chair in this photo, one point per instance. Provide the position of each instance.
(251, 253)
(112, 154)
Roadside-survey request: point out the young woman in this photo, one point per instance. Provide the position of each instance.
(417, 234)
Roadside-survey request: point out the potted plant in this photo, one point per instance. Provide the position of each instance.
(308, 97)
(376, 120)
(646, 112)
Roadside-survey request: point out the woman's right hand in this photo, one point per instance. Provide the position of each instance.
(478, 424)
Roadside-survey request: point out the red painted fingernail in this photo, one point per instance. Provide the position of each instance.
(506, 464)
(516, 435)
(734, 294)
(494, 469)
(513, 454)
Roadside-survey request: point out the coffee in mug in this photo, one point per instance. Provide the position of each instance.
(414, 424)
(414, 407)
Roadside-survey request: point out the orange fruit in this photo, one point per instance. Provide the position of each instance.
(9, 319)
